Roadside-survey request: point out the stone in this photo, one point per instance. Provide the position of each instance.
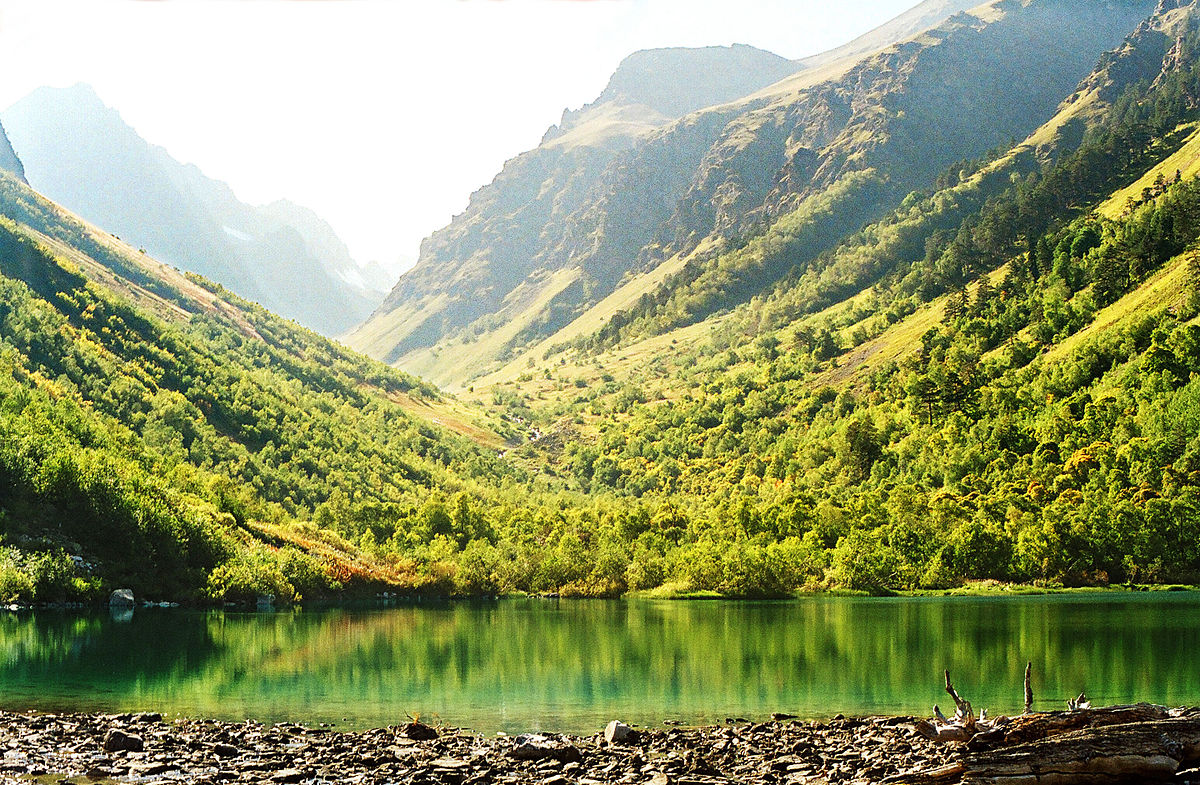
(618, 732)
(120, 741)
(539, 748)
(224, 750)
(288, 776)
(419, 731)
(121, 598)
(532, 748)
(449, 763)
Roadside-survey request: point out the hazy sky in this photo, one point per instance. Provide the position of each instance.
(382, 115)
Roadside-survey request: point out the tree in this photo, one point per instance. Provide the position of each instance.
(862, 447)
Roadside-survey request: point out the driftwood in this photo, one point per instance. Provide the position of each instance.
(1028, 688)
(1080, 746)
(1034, 727)
(1138, 752)
(962, 727)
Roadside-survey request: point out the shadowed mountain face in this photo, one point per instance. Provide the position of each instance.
(8, 158)
(620, 190)
(80, 153)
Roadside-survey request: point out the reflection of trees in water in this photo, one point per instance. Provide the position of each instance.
(63, 645)
(699, 658)
(812, 653)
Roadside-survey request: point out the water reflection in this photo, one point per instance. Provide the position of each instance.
(521, 665)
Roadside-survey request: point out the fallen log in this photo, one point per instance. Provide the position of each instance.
(1142, 751)
(936, 731)
(944, 775)
(1034, 727)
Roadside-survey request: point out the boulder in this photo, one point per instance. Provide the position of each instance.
(618, 732)
(537, 747)
(121, 598)
(120, 741)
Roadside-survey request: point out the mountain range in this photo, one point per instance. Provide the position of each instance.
(633, 194)
(82, 154)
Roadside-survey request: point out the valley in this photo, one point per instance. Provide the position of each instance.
(913, 317)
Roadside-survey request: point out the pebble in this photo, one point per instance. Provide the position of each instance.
(143, 748)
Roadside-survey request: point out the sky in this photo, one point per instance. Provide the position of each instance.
(381, 115)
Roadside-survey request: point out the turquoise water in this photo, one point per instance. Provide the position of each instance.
(519, 665)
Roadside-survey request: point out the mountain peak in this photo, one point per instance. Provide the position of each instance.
(651, 87)
(678, 80)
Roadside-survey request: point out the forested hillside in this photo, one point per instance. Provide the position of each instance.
(163, 434)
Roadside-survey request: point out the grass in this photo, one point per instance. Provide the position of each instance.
(378, 335)
(625, 296)
(451, 362)
(1166, 288)
(980, 588)
(472, 422)
(990, 588)
(1186, 160)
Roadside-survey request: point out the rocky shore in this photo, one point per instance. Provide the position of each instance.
(143, 748)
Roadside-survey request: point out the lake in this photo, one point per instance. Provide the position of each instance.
(521, 665)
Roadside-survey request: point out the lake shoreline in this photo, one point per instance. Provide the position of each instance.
(141, 747)
(386, 599)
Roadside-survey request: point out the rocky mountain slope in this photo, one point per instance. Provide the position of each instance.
(80, 153)
(825, 149)
(491, 253)
(9, 161)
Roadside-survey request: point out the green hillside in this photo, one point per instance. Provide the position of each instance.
(184, 441)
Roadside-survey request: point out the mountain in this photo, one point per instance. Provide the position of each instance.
(8, 157)
(995, 378)
(532, 264)
(489, 252)
(80, 153)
